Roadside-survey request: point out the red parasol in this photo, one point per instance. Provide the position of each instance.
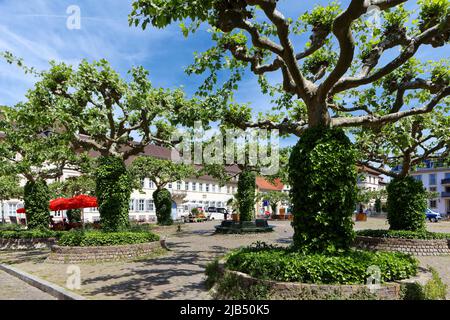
(21, 210)
(83, 201)
(59, 204)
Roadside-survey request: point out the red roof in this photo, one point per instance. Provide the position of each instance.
(263, 184)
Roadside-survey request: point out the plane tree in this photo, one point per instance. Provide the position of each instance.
(321, 82)
(113, 119)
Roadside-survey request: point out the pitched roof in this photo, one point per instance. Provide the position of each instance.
(263, 184)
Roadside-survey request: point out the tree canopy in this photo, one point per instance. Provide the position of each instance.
(347, 57)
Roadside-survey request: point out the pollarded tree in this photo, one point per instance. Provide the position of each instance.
(32, 148)
(395, 150)
(117, 119)
(321, 83)
(161, 172)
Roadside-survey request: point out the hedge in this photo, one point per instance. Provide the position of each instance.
(346, 267)
(403, 234)
(163, 206)
(96, 238)
(30, 234)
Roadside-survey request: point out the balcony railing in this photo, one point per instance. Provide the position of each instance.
(445, 181)
(445, 194)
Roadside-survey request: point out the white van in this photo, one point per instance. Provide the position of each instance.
(214, 213)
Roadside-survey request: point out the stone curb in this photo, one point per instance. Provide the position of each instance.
(45, 286)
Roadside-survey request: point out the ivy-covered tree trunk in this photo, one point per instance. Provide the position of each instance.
(163, 206)
(37, 198)
(323, 176)
(113, 191)
(406, 204)
(246, 195)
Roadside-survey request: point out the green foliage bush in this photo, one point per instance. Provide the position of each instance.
(37, 198)
(163, 206)
(246, 195)
(434, 289)
(345, 267)
(96, 238)
(74, 215)
(11, 227)
(30, 234)
(323, 179)
(113, 191)
(406, 204)
(403, 234)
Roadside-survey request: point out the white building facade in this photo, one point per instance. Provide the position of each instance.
(436, 178)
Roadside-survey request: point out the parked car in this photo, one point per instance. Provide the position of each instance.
(214, 213)
(432, 215)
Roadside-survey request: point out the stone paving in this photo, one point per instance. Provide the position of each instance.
(179, 273)
(12, 288)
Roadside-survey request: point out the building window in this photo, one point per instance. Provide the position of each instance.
(12, 209)
(169, 186)
(178, 185)
(151, 184)
(142, 183)
(150, 205)
(432, 180)
(418, 177)
(194, 186)
(447, 175)
(433, 189)
(200, 187)
(207, 187)
(132, 205)
(141, 205)
(213, 188)
(433, 204)
(186, 185)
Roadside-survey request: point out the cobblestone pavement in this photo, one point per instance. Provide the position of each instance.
(12, 288)
(179, 273)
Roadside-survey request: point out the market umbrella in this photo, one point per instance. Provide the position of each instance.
(60, 204)
(83, 201)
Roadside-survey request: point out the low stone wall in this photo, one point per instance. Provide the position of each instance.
(412, 246)
(26, 244)
(62, 254)
(300, 291)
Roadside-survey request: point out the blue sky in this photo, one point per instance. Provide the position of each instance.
(36, 31)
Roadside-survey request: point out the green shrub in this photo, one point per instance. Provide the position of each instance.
(346, 267)
(212, 273)
(74, 215)
(403, 234)
(30, 234)
(246, 195)
(434, 289)
(406, 204)
(96, 238)
(140, 227)
(163, 206)
(323, 177)
(11, 227)
(113, 191)
(37, 198)
(230, 287)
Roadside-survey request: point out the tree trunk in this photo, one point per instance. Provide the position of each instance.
(246, 195)
(322, 176)
(37, 198)
(113, 191)
(3, 212)
(318, 115)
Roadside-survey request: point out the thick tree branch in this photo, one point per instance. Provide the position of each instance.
(391, 117)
